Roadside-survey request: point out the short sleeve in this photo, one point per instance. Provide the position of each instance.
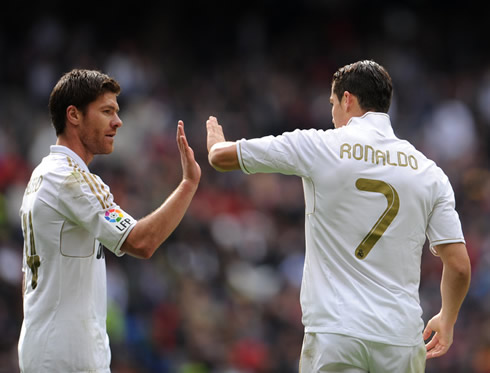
(88, 202)
(291, 153)
(444, 224)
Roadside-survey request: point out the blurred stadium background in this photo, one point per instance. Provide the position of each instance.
(222, 296)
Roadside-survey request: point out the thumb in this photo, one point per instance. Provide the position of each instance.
(427, 332)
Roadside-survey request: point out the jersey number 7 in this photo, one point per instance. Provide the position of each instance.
(384, 221)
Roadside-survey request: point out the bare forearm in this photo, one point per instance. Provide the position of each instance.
(454, 287)
(223, 156)
(456, 275)
(152, 230)
(455, 282)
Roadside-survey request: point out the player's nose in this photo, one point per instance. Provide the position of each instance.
(117, 122)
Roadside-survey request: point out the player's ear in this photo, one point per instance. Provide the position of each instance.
(73, 115)
(350, 101)
(347, 100)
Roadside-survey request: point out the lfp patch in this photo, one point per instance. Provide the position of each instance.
(113, 215)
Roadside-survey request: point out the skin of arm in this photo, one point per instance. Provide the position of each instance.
(456, 276)
(152, 230)
(222, 154)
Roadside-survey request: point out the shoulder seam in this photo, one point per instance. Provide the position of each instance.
(94, 185)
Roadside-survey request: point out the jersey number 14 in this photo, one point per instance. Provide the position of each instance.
(33, 261)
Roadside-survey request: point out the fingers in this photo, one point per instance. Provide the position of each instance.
(427, 333)
(212, 121)
(181, 133)
(432, 343)
(437, 351)
(180, 129)
(182, 143)
(436, 347)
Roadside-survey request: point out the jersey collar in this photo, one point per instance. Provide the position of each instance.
(378, 121)
(70, 153)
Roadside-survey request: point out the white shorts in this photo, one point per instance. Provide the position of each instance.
(326, 352)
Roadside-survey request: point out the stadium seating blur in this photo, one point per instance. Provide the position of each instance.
(222, 295)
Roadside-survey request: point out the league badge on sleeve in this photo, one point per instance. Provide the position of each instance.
(114, 215)
(117, 217)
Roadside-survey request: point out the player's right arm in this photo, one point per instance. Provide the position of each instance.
(152, 230)
(456, 275)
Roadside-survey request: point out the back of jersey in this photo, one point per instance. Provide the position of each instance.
(369, 202)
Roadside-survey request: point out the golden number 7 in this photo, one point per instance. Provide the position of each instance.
(384, 221)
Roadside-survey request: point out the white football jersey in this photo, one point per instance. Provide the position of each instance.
(68, 216)
(371, 199)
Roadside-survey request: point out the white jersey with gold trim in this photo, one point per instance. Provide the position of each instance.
(68, 217)
(371, 200)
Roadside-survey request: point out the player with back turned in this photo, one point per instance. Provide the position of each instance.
(371, 200)
(69, 217)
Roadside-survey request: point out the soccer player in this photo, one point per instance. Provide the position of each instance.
(69, 217)
(370, 201)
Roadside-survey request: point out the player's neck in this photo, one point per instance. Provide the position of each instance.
(74, 144)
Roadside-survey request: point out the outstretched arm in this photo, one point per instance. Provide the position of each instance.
(152, 230)
(222, 154)
(455, 282)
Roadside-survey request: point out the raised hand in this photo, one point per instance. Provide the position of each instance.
(190, 168)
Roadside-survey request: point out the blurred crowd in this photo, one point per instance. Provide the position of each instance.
(222, 294)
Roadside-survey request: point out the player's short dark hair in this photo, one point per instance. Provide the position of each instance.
(79, 88)
(366, 80)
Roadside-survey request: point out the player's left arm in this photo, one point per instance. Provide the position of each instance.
(456, 275)
(222, 154)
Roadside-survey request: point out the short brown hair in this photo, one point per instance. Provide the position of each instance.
(366, 80)
(79, 88)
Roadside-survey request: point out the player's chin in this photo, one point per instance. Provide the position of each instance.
(108, 144)
(107, 149)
